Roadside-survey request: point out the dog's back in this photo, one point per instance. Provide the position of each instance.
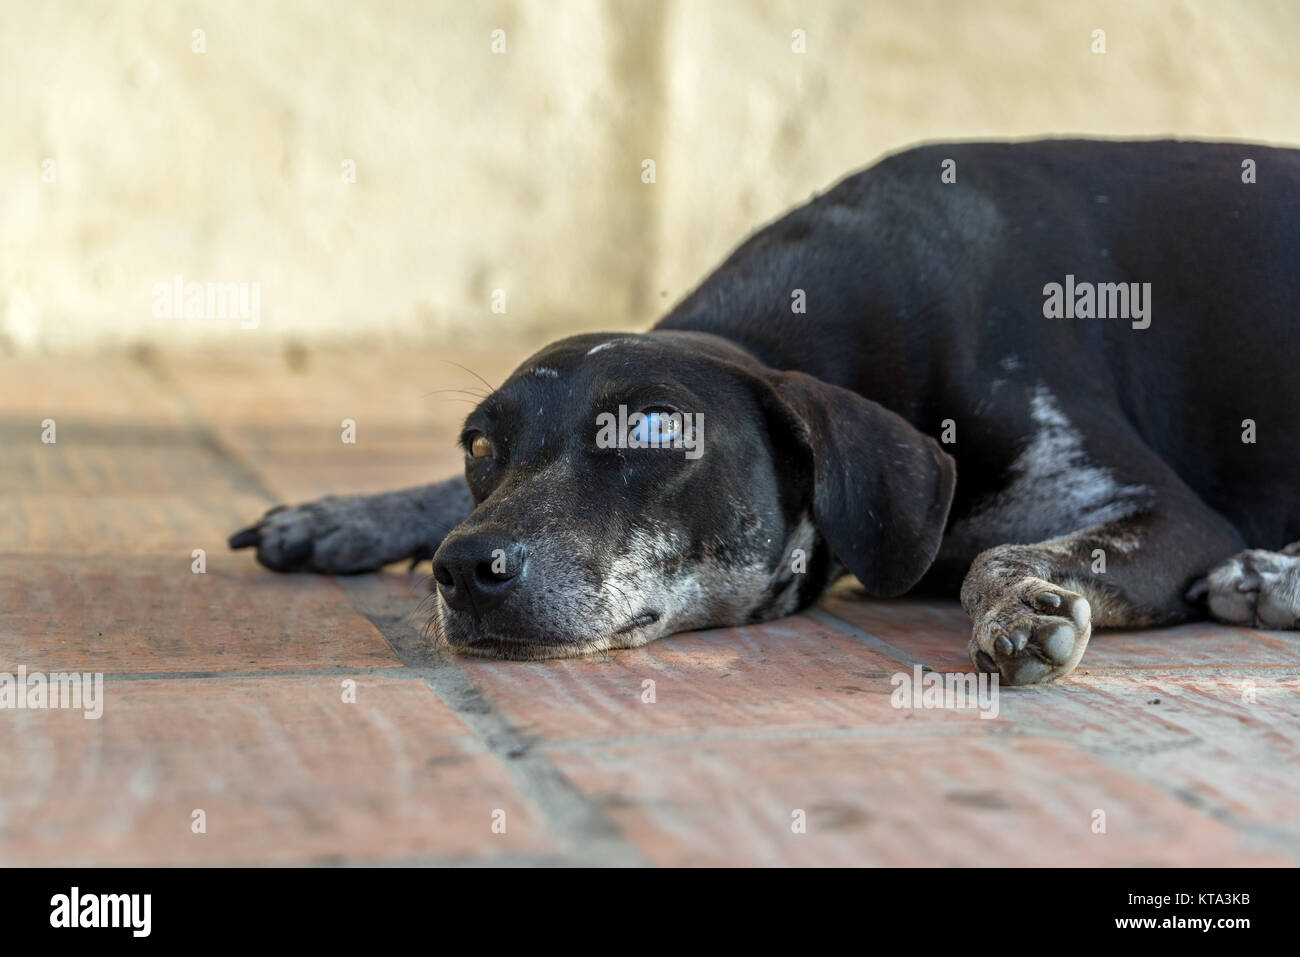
(1153, 283)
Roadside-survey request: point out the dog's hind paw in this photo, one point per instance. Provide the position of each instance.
(1032, 634)
(1257, 588)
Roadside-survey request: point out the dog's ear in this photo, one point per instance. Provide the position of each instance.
(880, 489)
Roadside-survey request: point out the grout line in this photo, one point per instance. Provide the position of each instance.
(380, 671)
(866, 732)
(240, 473)
(412, 672)
(579, 823)
(868, 639)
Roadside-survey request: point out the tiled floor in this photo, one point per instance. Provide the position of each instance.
(225, 691)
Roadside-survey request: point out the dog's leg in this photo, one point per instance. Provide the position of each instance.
(342, 535)
(1033, 607)
(1256, 587)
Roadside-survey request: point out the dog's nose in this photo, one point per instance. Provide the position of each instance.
(476, 572)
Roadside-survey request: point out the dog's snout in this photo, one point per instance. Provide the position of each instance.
(475, 572)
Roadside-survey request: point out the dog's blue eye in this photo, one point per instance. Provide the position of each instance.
(656, 428)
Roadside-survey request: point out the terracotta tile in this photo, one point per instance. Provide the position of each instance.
(1197, 645)
(408, 410)
(306, 476)
(124, 525)
(93, 460)
(1229, 743)
(937, 632)
(149, 615)
(120, 489)
(86, 390)
(933, 632)
(392, 396)
(318, 442)
(284, 770)
(796, 673)
(937, 800)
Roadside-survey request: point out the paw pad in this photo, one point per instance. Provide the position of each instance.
(1035, 633)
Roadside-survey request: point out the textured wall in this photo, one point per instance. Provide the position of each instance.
(127, 158)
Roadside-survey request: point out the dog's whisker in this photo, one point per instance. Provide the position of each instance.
(491, 388)
(476, 393)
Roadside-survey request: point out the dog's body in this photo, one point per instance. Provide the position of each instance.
(1107, 464)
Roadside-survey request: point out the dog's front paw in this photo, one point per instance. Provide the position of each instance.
(1257, 588)
(338, 535)
(1031, 633)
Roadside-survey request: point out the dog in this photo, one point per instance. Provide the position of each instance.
(1101, 339)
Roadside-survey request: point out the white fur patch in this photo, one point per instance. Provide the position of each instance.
(543, 373)
(1054, 489)
(698, 595)
(612, 342)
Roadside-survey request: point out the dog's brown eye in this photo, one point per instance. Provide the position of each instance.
(480, 446)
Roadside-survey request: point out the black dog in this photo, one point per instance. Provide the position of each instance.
(1103, 337)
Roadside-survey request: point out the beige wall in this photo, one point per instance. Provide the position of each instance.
(522, 171)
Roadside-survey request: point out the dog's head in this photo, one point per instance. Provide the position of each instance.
(631, 486)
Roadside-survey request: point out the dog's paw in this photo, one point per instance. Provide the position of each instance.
(1032, 633)
(338, 535)
(1257, 588)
